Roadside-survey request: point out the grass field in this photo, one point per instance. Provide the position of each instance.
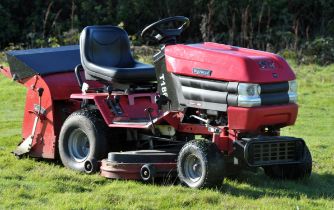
(37, 184)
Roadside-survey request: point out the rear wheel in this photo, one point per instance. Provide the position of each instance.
(200, 164)
(291, 171)
(83, 137)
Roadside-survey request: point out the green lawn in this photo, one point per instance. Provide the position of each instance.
(38, 184)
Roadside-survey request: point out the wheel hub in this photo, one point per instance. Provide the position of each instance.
(196, 167)
(78, 144)
(193, 168)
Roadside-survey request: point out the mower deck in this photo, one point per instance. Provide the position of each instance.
(139, 165)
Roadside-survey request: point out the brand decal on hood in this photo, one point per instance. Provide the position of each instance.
(267, 64)
(203, 72)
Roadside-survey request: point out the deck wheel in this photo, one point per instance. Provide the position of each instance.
(147, 172)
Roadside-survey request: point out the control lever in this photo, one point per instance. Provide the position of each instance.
(77, 70)
(26, 145)
(200, 119)
(211, 128)
(149, 113)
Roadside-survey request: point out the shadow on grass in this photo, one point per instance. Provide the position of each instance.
(317, 186)
(256, 185)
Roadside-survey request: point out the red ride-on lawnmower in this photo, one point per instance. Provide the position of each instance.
(203, 111)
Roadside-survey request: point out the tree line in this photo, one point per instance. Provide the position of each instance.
(298, 26)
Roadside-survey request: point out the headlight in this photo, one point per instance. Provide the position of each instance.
(292, 91)
(293, 86)
(249, 95)
(247, 89)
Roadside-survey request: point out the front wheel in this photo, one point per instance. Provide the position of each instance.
(83, 137)
(291, 171)
(200, 164)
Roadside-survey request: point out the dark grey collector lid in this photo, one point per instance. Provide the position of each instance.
(43, 61)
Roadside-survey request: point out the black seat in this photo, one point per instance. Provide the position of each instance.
(106, 56)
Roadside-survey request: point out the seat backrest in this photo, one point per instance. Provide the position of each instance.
(105, 46)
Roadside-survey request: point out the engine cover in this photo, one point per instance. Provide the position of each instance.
(227, 63)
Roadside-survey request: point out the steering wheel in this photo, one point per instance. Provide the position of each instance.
(156, 32)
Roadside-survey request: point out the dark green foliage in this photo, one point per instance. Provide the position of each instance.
(270, 25)
(320, 51)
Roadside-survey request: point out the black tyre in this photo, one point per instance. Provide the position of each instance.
(291, 171)
(200, 164)
(83, 136)
(232, 171)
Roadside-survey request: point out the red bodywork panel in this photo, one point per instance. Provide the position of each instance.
(227, 63)
(45, 138)
(57, 88)
(133, 107)
(255, 118)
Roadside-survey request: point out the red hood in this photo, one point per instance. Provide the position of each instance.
(228, 63)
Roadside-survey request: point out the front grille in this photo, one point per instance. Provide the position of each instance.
(216, 94)
(274, 93)
(273, 152)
